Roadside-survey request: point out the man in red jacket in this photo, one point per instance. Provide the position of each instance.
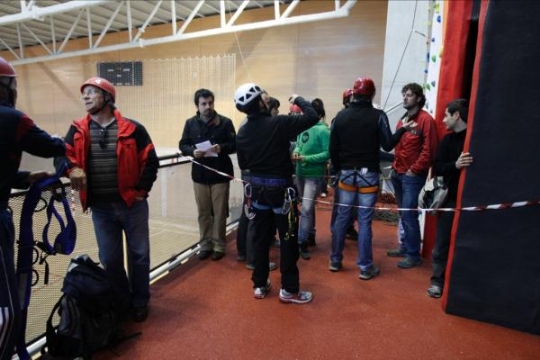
(414, 155)
(113, 164)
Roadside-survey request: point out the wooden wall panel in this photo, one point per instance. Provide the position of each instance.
(313, 59)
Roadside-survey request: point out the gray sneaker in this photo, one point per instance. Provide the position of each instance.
(434, 291)
(271, 266)
(369, 273)
(260, 292)
(301, 297)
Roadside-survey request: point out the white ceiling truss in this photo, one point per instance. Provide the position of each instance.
(52, 24)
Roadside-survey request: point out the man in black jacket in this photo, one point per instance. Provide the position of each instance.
(263, 156)
(358, 133)
(210, 138)
(449, 162)
(18, 133)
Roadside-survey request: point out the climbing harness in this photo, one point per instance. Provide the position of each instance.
(26, 254)
(369, 189)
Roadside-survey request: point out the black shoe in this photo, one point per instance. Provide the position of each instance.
(351, 233)
(241, 258)
(217, 255)
(408, 263)
(334, 266)
(304, 252)
(311, 240)
(204, 254)
(396, 253)
(139, 314)
(369, 273)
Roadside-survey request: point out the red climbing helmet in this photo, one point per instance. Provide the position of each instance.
(6, 70)
(101, 83)
(364, 86)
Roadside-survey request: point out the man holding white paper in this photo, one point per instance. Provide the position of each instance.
(210, 138)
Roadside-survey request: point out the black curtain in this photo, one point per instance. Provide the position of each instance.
(494, 273)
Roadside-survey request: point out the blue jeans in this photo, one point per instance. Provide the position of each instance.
(110, 220)
(407, 189)
(308, 190)
(366, 203)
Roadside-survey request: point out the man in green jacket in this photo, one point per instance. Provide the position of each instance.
(311, 155)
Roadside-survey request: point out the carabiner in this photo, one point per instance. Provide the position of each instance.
(290, 196)
(248, 210)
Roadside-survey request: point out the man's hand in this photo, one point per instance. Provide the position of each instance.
(408, 124)
(216, 148)
(78, 179)
(197, 153)
(464, 160)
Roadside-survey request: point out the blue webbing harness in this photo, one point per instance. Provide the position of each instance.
(64, 242)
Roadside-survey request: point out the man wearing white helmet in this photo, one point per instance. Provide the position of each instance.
(18, 133)
(113, 164)
(262, 146)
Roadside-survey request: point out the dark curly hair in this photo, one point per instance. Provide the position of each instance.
(318, 105)
(202, 93)
(461, 105)
(273, 103)
(417, 90)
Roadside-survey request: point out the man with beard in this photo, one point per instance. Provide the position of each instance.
(210, 138)
(414, 155)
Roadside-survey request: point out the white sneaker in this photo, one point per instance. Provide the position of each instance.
(260, 292)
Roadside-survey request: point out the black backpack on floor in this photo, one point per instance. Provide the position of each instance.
(88, 320)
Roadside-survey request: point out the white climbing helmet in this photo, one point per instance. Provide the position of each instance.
(245, 93)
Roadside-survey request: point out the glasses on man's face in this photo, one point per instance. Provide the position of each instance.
(90, 92)
(103, 138)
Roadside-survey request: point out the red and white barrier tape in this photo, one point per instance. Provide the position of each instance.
(500, 206)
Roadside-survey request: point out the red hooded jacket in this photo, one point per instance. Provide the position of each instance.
(137, 160)
(417, 148)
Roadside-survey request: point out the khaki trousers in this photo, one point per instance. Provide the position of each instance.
(213, 207)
